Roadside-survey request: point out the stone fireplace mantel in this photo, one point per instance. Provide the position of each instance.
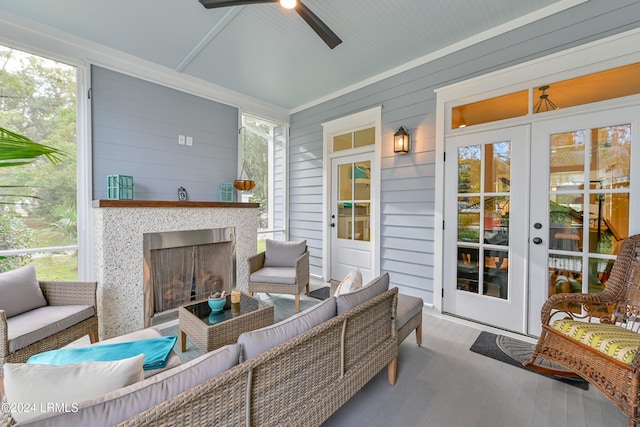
(119, 228)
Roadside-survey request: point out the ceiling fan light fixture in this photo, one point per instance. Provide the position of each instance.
(288, 4)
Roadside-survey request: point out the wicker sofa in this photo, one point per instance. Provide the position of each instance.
(300, 381)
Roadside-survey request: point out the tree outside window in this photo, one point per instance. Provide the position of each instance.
(263, 155)
(38, 221)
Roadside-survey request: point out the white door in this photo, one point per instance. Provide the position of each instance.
(351, 215)
(486, 206)
(582, 201)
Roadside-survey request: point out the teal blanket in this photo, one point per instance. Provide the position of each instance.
(156, 353)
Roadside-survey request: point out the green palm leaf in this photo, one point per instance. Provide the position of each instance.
(17, 150)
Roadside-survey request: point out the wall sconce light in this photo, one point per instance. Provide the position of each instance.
(401, 141)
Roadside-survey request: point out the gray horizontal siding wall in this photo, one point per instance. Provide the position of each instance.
(135, 127)
(408, 99)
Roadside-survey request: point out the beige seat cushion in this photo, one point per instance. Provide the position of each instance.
(279, 275)
(35, 325)
(408, 306)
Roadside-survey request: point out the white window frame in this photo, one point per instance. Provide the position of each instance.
(270, 209)
(85, 239)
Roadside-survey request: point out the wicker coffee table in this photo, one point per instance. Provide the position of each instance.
(214, 330)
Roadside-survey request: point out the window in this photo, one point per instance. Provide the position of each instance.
(264, 159)
(600, 86)
(38, 222)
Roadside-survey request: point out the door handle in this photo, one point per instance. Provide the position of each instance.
(333, 224)
(537, 240)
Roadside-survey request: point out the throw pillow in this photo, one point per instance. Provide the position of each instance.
(20, 291)
(350, 283)
(32, 390)
(372, 289)
(283, 254)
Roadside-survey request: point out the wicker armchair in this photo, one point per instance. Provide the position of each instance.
(601, 344)
(55, 294)
(288, 277)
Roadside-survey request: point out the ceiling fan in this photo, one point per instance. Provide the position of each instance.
(325, 33)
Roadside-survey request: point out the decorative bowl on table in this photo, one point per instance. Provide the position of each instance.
(217, 304)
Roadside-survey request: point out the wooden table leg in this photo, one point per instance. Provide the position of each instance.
(183, 341)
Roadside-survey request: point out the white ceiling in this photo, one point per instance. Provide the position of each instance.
(269, 53)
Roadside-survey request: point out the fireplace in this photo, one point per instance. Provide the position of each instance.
(184, 266)
(118, 260)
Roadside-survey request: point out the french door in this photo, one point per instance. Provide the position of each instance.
(486, 216)
(586, 183)
(536, 211)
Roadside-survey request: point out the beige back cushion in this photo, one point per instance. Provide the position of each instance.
(374, 288)
(283, 254)
(20, 291)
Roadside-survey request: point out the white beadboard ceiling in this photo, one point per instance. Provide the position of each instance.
(270, 53)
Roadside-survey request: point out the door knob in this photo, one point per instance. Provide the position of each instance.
(537, 240)
(333, 224)
(537, 226)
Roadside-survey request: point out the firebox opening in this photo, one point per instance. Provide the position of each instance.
(185, 266)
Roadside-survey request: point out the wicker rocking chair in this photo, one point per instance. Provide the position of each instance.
(602, 343)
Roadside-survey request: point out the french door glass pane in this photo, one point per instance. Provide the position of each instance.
(486, 171)
(611, 156)
(468, 219)
(468, 272)
(469, 169)
(362, 230)
(565, 221)
(588, 212)
(567, 160)
(345, 220)
(345, 182)
(362, 179)
(608, 222)
(498, 167)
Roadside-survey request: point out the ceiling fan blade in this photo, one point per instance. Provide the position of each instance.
(325, 33)
(211, 4)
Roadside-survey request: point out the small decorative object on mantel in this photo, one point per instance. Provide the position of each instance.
(182, 194)
(119, 187)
